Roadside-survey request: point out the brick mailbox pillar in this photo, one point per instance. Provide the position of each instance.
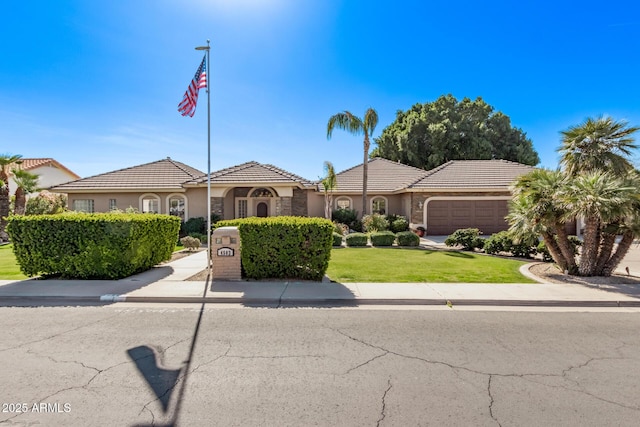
(225, 254)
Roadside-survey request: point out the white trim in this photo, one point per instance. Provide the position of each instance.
(148, 196)
(386, 203)
(430, 199)
(184, 198)
(336, 198)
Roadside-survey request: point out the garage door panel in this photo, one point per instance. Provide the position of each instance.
(446, 216)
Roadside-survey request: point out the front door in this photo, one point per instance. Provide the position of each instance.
(262, 210)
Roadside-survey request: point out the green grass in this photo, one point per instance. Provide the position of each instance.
(9, 269)
(419, 265)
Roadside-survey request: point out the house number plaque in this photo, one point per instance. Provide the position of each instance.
(225, 252)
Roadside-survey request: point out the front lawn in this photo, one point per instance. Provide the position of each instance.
(419, 265)
(9, 269)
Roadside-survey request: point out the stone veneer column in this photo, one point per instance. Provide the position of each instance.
(285, 206)
(299, 203)
(217, 206)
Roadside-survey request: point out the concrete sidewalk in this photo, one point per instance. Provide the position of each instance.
(167, 283)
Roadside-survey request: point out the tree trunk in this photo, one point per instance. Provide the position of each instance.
(365, 172)
(554, 250)
(4, 208)
(621, 251)
(20, 202)
(608, 240)
(566, 249)
(590, 246)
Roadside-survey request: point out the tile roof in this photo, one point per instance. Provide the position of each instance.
(382, 176)
(472, 174)
(252, 172)
(165, 173)
(33, 163)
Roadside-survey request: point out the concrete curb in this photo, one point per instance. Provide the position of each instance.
(321, 302)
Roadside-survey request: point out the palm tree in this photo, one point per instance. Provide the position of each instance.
(356, 126)
(329, 184)
(5, 161)
(26, 183)
(598, 144)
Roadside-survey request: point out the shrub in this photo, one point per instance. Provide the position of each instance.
(190, 243)
(200, 236)
(337, 239)
(356, 239)
(46, 203)
(399, 224)
(374, 222)
(407, 238)
(498, 242)
(344, 216)
(357, 226)
(382, 238)
(193, 225)
(468, 238)
(284, 246)
(340, 228)
(92, 246)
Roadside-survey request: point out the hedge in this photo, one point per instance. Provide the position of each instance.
(92, 246)
(407, 238)
(356, 239)
(337, 239)
(284, 246)
(382, 238)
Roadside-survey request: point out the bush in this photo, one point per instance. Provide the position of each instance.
(374, 222)
(337, 239)
(382, 238)
(407, 238)
(193, 225)
(357, 226)
(498, 242)
(468, 238)
(344, 216)
(284, 246)
(340, 228)
(46, 203)
(356, 239)
(199, 236)
(399, 224)
(191, 243)
(92, 246)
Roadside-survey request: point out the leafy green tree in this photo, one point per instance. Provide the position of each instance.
(428, 135)
(357, 126)
(46, 203)
(328, 185)
(5, 161)
(26, 183)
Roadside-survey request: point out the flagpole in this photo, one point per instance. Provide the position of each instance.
(207, 48)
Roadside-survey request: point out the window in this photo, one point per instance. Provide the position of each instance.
(379, 205)
(150, 203)
(242, 209)
(177, 206)
(112, 204)
(343, 203)
(261, 192)
(83, 205)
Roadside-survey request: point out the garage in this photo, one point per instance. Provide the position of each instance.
(446, 216)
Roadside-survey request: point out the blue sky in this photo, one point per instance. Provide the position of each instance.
(95, 84)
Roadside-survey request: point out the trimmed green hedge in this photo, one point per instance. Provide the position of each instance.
(357, 239)
(92, 246)
(337, 239)
(408, 238)
(284, 246)
(382, 238)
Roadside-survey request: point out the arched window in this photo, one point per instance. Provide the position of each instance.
(261, 192)
(379, 205)
(177, 205)
(343, 203)
(149, 203)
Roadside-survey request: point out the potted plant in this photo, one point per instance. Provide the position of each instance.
(420, 231)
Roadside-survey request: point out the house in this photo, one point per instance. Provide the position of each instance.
(457, 194)
(50, 172)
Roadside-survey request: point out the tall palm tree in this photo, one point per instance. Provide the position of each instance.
(5, 161)
(598, 144)
(329, 184)
(26, 183)
(356, 126)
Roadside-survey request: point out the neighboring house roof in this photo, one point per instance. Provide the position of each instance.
(470, 174)
(252, 172)
(383, 176)
(165, 174)
(31, 164)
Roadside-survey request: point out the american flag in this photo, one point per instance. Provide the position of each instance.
(188, 105)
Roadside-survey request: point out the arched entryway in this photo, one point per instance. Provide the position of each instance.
(262, 210)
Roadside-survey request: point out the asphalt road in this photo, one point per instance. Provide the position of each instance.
(137, 366)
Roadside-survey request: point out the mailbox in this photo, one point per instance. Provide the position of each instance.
(225, 254)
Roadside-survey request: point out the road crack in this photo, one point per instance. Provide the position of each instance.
(383, 413)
